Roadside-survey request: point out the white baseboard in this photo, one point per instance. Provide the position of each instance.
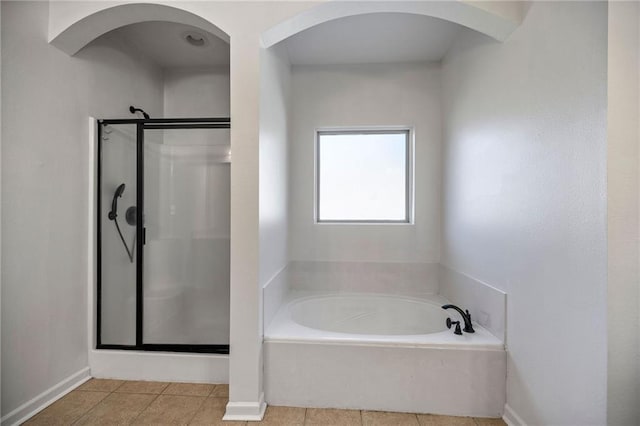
(511, 418)
(246, 411)
(46, 398)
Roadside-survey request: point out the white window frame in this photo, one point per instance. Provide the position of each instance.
(409, 175)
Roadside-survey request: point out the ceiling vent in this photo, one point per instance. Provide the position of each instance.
(195, 38)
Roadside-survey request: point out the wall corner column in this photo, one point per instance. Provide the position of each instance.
(246, 398)
(623, 212)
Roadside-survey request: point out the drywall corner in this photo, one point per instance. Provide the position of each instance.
(623, 363)
(274, 294)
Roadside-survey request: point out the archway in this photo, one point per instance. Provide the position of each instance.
(495, 20)
(81, 32)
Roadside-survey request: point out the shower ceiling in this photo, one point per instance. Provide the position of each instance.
(164, 43)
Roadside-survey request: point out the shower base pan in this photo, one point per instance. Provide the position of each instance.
(159, 366)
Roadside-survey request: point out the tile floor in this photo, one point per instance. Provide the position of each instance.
(119, 402)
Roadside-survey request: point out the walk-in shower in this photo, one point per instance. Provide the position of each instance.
(163, 234)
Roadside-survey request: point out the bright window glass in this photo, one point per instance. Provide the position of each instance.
(363, 176)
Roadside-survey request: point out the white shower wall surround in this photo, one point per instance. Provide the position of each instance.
(187, 303)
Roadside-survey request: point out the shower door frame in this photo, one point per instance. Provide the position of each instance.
(141, 126)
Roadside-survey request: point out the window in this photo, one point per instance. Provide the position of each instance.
(363, 176)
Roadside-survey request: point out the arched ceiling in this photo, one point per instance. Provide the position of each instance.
(72, 25)
(93, 24)
(373, 38)
(164, 43)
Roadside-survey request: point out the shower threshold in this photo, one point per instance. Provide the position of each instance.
(201, 349)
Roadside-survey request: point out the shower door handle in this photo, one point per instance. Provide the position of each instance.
(144, 236)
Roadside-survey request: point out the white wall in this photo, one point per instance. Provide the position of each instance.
(524, 200)
(623, 383)
(366, 95)
(196, 92)
(275, 84)
(47, 99)
(0, 215)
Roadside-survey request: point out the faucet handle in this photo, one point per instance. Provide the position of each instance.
(468, 325)
(457, 330)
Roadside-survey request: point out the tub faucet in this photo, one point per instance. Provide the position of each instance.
(466, 317)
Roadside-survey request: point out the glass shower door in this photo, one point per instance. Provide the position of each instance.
(187, 223)
(117, 192)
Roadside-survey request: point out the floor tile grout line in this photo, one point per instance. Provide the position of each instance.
(109, 393)
(209, 394)
(197, 410)
(144, 408)
(119, 386)
(165, 388)
(85, 413)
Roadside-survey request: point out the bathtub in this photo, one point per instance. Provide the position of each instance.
(381, 352)
(375, 319)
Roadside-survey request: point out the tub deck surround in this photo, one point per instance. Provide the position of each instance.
(451, 382)
(428, 369)
(488, 305)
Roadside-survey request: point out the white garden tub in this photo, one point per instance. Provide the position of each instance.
(381, 352)
(374, 319)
